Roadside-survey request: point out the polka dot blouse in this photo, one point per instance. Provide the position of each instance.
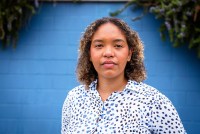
(138, 109)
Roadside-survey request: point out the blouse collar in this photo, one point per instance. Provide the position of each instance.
(131, 85)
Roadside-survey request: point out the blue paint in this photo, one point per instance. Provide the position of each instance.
(35, 78)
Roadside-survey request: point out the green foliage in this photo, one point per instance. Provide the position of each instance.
(181, 19)
(13, 15)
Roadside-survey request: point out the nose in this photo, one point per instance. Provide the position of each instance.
(108, 52)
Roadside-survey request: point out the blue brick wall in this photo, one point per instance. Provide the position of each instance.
(35, 78)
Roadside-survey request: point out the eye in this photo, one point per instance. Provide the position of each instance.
(98, 45)
(118, 46)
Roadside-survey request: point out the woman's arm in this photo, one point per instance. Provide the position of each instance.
(164, 117)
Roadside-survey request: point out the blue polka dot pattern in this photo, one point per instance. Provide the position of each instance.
(138, 109)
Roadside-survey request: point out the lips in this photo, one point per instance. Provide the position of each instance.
(108, 64)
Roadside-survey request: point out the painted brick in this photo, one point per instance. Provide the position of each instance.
(67, 81)
(4, 68)
(149, 23)
(10, 96)
(5, 55)
(193, 97)
(160, 84)
(57, 38)
(150, 38)
(32, 96)
(45, 52)
(135, 25)
(195, 126)
(29, 127)
(10, 111)
(158, 53)
(36, 77)
(40, 111)
(43, 23)
(161, 68)
(17, 81)
(182, 53)
(178, 98)
(185, 84)
(16, 128)
(29, 37)
(108, 10)
(190, 113)
(41, 67)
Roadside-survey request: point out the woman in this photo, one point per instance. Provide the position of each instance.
(113, 98)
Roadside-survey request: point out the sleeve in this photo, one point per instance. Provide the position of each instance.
(66, 111)
(164, 117)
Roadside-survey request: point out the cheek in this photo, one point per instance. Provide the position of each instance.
(94, 56)
(125, 55)
(94, 59)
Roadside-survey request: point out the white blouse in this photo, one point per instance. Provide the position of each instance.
(138, 109)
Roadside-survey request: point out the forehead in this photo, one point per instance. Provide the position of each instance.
(108, 30)
(108, 26)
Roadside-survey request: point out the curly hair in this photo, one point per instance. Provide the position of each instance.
(134, 69)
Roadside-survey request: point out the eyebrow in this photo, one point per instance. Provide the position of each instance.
(97, 40)
(116, 40)
(119, 40)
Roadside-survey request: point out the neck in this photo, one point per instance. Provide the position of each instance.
(106, 87)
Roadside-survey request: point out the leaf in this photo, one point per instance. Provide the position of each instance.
(171, 34)
(197, 29)
(2, 33)
(176, 43)
(13, 15)
(18, 9)
(117, 12)
(198, 53)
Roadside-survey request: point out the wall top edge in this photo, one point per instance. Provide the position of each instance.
(86, 0)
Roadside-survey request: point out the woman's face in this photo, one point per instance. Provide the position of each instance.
(109, 51)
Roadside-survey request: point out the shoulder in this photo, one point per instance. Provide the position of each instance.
(149, 92)
(164, 116)
(73, 94)
(76, 91)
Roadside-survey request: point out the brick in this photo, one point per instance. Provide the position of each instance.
(157, 53)
(44, 52)
(67, 81)
(152, 38)
(29, 37)
(193, 99)
(185, 113)
(4, 66)
(5, 55)
(36, 77)
(192, 127)
(160, 84)
(150, 23)
(41, 67)
(161, 68)
(178, 98)
(6, 123)
(10, 97)
(17, 81)
(43, 126)
(10, 111)
(44, 20)
(185, 84)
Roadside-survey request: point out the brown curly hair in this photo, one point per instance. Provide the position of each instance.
(134, 69)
